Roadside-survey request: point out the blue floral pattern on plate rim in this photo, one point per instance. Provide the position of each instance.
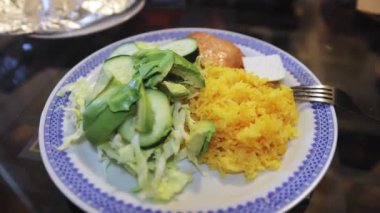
(88, 196)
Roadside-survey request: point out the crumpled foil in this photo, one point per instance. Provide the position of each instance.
(52, 16)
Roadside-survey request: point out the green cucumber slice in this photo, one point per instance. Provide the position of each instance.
(144, 121)
(186, 47)
(162, 121)
(120, 67)
(125, 49)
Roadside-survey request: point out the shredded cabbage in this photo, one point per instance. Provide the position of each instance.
(157, 176)
(156, 171)
(78, 93)
(172, 183)
(73, 138)
(179, 118)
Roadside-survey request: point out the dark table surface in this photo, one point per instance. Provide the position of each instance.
(340, 45)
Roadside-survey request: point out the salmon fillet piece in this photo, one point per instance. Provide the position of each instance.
(215, 51)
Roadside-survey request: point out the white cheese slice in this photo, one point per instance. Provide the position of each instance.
(269, 66)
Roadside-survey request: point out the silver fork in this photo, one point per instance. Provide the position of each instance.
(330, 95)
(315, 93)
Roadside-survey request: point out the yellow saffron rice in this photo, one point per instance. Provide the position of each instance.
(254, 121)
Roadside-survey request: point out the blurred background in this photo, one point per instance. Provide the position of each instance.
(339, 40)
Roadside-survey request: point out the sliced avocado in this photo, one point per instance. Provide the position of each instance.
(102, 128)
(187, 71)
(200, 137)
(99, 104)
(126, 96)
(145, 116)
(162, 121)
(173, 90)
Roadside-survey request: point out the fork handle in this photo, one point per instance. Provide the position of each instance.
(344, 102)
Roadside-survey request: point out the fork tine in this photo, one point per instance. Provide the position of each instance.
(318, 95)
(314, 99)
(317, 86)
(314, 93)
(297, 90)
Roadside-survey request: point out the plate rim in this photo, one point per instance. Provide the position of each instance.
(109, 22)
(85, 206)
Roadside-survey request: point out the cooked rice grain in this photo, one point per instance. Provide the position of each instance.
(254, 121)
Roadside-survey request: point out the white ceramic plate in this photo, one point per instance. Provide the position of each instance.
(80, 176)
(106, 23)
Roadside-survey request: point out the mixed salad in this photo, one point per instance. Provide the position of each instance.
(136, 114)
